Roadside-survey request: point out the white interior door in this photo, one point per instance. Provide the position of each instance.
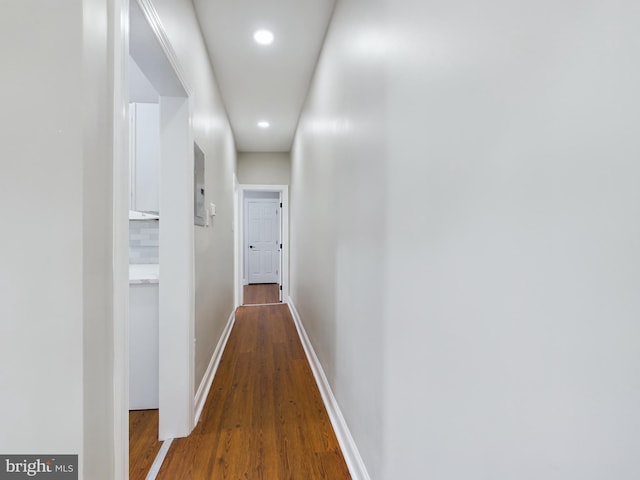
(263, 241)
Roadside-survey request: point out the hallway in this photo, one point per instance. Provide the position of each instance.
(463, 213)
(264, 417)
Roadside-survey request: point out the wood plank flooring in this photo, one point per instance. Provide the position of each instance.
(143, 442)
(264, 418)
(261, 293)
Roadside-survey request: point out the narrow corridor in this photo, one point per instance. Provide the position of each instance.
(264, 417)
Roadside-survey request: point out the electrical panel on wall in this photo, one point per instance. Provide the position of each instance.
(200, 210)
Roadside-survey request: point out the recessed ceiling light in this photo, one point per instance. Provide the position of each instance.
(263, 37)
(264, 124)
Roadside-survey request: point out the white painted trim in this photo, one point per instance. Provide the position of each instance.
(347, 444)
(177, 267)
(153, 18)
(207, 380)
(119, 26)
(239, 227)
(237, 278)
(157, 463)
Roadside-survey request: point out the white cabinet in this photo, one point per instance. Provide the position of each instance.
(144, 156)
(143, 346)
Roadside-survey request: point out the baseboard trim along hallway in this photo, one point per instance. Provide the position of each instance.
(264, 416)
(157, 463)
(207, 380)
(350, 451)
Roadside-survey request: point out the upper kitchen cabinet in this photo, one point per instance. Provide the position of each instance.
(144, 157)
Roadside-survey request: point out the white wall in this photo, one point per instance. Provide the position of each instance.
(524, 146)
(509, 338)
(55, 191)
(41, 275)
(264, 168)
(338, 225)
(214, 244)
(97, 204)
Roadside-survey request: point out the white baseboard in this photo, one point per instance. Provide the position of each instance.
(157, 463)
(347, 444)
(207, 380)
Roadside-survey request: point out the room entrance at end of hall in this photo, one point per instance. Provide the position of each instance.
(262, 247)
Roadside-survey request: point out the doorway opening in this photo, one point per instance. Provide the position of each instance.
(262, 245)
(155, 325)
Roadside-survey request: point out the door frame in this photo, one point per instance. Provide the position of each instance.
(239, 227)
(177, 348)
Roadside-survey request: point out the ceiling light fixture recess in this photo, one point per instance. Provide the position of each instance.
(263, 37)
(264, 124)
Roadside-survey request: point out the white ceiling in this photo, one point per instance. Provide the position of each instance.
(264, 82)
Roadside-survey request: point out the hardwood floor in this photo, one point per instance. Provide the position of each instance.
(261, 293)
(143, 442)
(264, 418)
